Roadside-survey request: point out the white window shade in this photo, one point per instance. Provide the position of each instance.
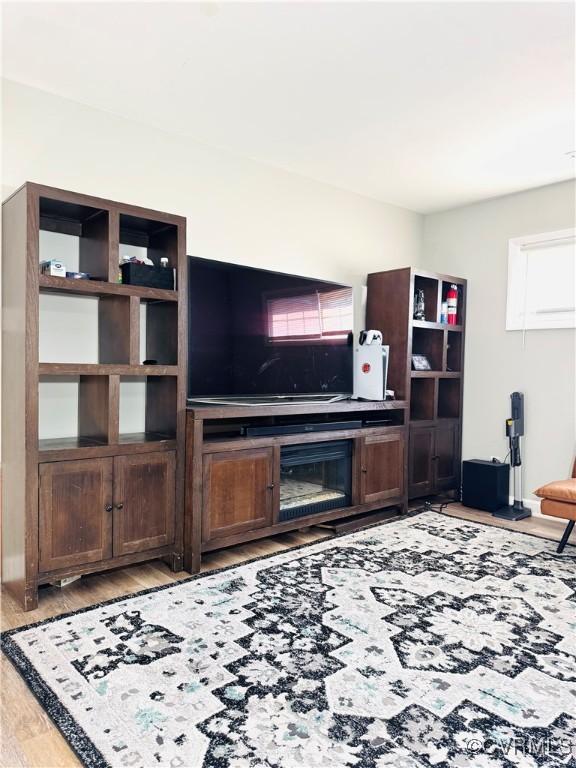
(542, 281)
(336, 312)
(315, 315)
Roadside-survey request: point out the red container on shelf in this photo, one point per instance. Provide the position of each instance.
(452, 301)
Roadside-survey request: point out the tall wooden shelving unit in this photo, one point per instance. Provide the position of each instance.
(435, 396)
(100, 498)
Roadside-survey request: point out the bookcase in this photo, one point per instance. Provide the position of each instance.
(435, 395)
(92, 437)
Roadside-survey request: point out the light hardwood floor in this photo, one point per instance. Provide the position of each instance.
(27, 735)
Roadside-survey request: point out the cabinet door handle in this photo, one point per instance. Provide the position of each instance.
(363, 469)
(120, 506)
(108, 507)
(270, 487)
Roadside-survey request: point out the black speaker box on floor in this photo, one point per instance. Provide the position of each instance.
(485, 484)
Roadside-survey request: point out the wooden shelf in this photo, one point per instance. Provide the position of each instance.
(67, 448)
(217, 444)
(144, 437)
(68, 443)
(436, 326)
(243, 411)
(103, 369)
(435, 374)
(49, 284)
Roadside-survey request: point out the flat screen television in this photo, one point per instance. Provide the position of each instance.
(255, 333)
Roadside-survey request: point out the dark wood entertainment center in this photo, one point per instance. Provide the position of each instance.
(435, 395)
(233, 482)
(197, 478)
(102, 497)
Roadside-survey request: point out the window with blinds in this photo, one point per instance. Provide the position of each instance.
(315, 315)
(542, 281)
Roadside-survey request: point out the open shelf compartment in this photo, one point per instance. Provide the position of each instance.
(145, 237)
(449, 394)
(429, 286)
(422, 396)
(430, 343)
(73, 412)
(76, 235)
(86, 329)
(159, 332)
(147, 409)
(454, 351)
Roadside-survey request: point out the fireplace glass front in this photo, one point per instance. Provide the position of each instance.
(315, 478)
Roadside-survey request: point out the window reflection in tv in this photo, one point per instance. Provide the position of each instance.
(257, 332)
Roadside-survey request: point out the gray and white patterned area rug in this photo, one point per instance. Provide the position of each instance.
(429, 641)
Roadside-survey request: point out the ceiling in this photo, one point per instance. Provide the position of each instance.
(423, 105)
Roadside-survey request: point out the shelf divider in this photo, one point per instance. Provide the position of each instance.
(113, 408)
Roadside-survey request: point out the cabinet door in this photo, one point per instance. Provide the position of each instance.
(446, 457)
(75, 513)
(237, 492)
(382, 467)
(421, 461)
(144, 501)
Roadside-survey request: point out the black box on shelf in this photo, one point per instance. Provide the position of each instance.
(151, 277)
(485, 484)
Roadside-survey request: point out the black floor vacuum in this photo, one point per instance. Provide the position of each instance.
(514, 431)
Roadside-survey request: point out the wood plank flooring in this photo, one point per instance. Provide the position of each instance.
(28, 739)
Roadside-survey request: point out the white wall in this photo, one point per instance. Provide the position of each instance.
(237, 210)
(242, 211)
(472, 242)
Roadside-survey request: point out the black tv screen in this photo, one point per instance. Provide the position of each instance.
(255, 332)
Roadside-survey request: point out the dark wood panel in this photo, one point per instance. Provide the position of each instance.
(303, 522)
(144, 499)
(101, 566)
(94, 246)
(423, 398)
(114, 330)
(75, 513)
(382, 470)
(449, 398)
(19, 397)
(421, 461)
(388, 309)
(447, 457)
(94, 408)
(161, 333)
(161, 405)
(193, 489)
(237, 492)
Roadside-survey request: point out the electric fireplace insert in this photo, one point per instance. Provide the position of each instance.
(315, 478)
